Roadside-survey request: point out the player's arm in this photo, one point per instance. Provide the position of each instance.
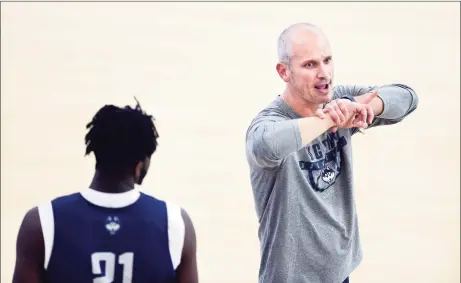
(187, 270)
(30, 250)
(393, 103)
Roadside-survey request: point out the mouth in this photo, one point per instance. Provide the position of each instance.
(323, 88)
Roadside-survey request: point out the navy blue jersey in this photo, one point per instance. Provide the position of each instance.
(101, 238)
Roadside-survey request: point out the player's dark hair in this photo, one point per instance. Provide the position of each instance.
(120, 138)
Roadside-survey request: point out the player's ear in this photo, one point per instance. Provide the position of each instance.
(138, 170)
(141, 170)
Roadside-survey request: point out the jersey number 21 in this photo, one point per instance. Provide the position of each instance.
(108, 259)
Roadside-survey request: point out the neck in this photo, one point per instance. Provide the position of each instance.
(110, 184)
(299, 104)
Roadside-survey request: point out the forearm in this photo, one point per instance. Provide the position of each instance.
(394, 102)
(270, 142)
(377, 103)
(312, 127)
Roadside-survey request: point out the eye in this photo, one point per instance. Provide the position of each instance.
(327, 60)
(309, 64)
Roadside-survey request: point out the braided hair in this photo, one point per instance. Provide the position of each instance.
(120, 138)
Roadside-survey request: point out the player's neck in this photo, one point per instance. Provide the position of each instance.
(299, 105)
(109, 184)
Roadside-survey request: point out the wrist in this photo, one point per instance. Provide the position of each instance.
(328, 121)
(348, 97)
(377, 105)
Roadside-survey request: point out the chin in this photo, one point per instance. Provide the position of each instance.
(321, 97)
(325, 99)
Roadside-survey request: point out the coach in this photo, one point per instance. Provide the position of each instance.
(299, 154)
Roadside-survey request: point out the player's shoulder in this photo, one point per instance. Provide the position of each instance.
(178, 216)
(34, 212)
(31, 217)
(173, 208)
(32, 221)
(41, 216)
(45, 209)
(178, 227)
(63, 200)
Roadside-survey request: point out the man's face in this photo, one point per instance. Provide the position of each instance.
(310, 73)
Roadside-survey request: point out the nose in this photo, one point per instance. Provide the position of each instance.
(323, 72)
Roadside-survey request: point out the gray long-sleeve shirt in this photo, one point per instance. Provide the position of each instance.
(304, 193)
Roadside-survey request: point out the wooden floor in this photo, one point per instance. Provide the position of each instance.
(204, 70)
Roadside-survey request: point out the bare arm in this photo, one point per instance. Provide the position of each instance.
(187, 270)
(272, 138)
(311, 128)
(30, 250)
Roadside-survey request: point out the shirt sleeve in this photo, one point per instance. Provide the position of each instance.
(270, 138)
(399, 101)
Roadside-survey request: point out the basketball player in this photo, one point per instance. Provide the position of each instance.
(110, 232)
(299, 153)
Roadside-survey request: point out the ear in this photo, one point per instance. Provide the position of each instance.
(283, 71)
(138, 170)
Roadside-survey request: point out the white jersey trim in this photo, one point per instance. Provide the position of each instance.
(45, 211)
(108, 200)
(176, 232)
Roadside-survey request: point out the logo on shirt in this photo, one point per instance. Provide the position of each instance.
(324, 165)
(112, 224)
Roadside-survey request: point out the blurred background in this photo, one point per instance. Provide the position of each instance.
(204, 70)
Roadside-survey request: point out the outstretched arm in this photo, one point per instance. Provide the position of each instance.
(187, 269)
(30, 250)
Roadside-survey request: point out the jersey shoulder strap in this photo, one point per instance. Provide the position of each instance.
(45, 212)
(176, 231)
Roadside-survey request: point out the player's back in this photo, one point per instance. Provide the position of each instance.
(96, 237)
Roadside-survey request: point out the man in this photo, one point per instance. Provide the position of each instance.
(110, 232)
(299, 153)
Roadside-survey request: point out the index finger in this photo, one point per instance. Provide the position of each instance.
(371, 97)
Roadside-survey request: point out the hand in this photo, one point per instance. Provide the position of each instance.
(338, 110)
(347, 114)
(365, 116)
(343, 113)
